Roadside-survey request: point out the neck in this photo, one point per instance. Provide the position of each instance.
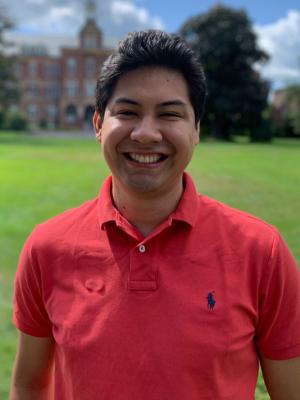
(146, 210)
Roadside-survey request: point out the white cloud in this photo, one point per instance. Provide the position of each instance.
(281, 40)
(54, 21)
(124, 10)
(61, 12)
(52, 18)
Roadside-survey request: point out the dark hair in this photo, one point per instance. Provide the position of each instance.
(152, 48)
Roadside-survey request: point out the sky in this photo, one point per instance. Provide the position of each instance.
(56, 23)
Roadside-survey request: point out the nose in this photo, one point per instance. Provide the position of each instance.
(146, 131)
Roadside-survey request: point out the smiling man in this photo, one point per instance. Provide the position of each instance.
(148, 137)
(152, 291)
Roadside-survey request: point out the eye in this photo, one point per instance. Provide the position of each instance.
(170, 115)
(124, 114)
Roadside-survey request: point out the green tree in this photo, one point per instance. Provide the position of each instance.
(8, 83)
(226, 44)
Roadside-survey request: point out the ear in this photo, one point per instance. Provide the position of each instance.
(197, 133)
(97, 122)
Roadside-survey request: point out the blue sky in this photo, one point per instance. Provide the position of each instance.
(54, 23)
(260, 11)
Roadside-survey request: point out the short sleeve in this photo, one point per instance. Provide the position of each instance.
(278, 331)
(29, 312)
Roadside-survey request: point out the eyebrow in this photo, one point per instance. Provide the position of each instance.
(121, 100)
(172, 103)
(175, 102)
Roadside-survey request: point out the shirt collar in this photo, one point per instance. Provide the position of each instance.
(186, 210)
(107, 212)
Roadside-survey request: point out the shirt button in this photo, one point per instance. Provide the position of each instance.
(142, 248)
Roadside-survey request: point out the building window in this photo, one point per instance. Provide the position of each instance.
(71, 114)
(33, 90)
(17, 69)
(90, 88)
(51, 91)
(32, 111)
(71, 88)
(90, 66)
(51, 113)
(51, 70)
(32, 66)
(71, 65)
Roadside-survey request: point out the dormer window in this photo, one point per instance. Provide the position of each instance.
(90, 42)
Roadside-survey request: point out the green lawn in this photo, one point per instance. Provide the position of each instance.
(40, 177)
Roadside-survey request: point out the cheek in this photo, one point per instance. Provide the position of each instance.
(110, 138)
(109, 148)
(111, 158)
(110, 145)
(183, 140)
(114, 132)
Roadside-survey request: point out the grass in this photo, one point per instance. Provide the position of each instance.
(41, 177)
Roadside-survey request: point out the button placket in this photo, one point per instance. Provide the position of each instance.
(142, 275)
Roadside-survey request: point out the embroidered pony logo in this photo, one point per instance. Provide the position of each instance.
(211, 301)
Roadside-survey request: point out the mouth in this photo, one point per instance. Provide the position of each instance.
(151, 158)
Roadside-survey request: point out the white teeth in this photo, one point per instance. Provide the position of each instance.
(145, 158)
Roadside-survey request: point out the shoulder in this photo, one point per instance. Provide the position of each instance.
(240, 230)
(62, 229)
(231, 216)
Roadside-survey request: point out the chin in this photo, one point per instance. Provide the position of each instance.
(142, 185)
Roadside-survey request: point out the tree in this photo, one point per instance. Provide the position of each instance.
(8, 83)
(226, 44)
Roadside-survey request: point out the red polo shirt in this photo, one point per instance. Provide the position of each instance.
(181, 314)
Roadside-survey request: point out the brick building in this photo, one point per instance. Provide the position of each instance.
(285, 106)
(284, 102)
(60, 91)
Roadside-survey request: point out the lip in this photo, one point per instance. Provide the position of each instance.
(132, 158)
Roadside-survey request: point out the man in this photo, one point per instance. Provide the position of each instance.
(151, 291)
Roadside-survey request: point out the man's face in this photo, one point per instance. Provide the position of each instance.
(148, 132)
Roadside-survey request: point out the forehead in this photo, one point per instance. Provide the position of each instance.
(155, 83)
